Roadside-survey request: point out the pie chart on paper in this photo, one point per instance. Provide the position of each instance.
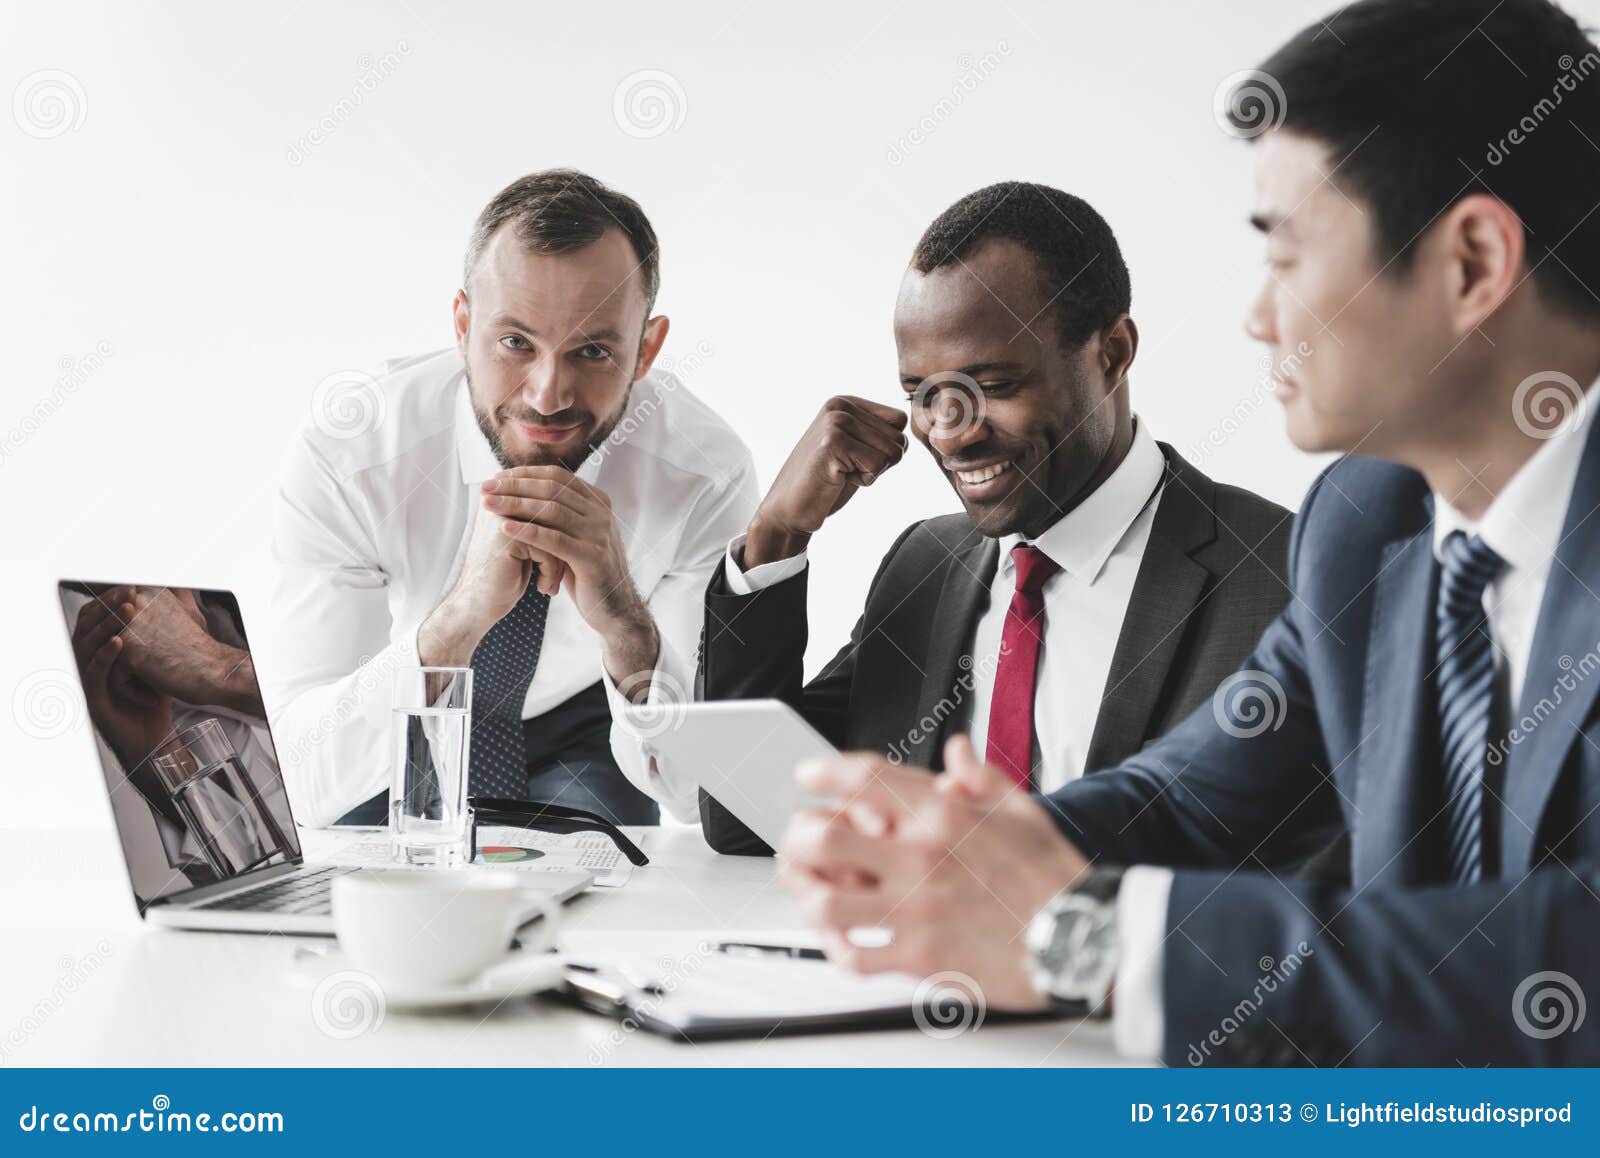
(507, 854)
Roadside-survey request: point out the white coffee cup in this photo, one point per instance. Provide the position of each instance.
(424, 928)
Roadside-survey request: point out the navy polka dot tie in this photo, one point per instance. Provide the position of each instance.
(502, 668)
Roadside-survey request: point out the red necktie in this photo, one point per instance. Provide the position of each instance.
(1011, 711)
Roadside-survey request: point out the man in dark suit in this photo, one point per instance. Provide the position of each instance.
(1094, 573)
(1431, 688)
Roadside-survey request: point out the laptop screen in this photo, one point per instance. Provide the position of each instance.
(173, 701)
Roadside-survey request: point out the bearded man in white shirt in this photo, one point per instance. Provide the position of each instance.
(535, 503)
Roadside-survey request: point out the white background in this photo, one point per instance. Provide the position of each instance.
(236, 201)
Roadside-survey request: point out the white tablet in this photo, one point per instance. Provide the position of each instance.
(743, 752)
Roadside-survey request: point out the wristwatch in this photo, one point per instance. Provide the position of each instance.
(1072, 941)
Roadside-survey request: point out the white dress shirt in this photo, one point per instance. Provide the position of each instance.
(1099, 545)
(1523, 525)
(371, 531)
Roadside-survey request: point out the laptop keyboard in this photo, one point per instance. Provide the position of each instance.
(306, 893)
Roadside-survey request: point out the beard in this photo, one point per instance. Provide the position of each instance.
(491, 425)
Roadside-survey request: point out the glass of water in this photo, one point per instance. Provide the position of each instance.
(431, 726)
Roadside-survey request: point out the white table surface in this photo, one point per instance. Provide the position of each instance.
(84, 982)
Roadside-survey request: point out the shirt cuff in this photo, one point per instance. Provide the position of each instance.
(634, 723)
(1137, 1014)
(742, 582)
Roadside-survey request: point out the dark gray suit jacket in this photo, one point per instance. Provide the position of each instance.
(1211, 580)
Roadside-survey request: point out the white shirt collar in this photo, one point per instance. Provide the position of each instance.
(1523, 522)
(477, 457)
(1081, 540)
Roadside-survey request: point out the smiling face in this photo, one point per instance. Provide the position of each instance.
(1021, 427)
(1360, 348)
(553, 343)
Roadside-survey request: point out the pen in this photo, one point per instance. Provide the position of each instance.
(746, 949)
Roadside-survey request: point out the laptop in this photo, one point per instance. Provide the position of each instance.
(206, 829)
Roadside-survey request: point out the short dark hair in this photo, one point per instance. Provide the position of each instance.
(1424, 102)
(560, 210)
(1081, 270)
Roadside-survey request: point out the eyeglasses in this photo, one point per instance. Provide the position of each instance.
(558, 818)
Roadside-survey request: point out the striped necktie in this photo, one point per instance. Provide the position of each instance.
(1466, 695)
(502, 668)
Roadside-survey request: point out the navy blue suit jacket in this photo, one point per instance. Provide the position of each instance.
(1398, 967)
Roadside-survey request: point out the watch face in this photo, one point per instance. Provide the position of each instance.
(1081, 957)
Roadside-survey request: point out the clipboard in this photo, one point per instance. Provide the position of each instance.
(716, 1003)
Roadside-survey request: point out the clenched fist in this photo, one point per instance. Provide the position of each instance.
(847, 446)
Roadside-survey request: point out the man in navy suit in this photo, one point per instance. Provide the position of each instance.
(1428, 180)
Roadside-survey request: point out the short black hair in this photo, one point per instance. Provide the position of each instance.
(1080, 264)
(1424, 102)
(560, 210)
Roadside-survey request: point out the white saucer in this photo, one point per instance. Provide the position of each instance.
(516, 975)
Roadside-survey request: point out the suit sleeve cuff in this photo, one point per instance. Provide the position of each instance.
(1137, 1017)
(742, 582)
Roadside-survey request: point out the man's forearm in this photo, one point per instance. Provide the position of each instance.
(448, 637)
(631, 652)
(235, 682)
